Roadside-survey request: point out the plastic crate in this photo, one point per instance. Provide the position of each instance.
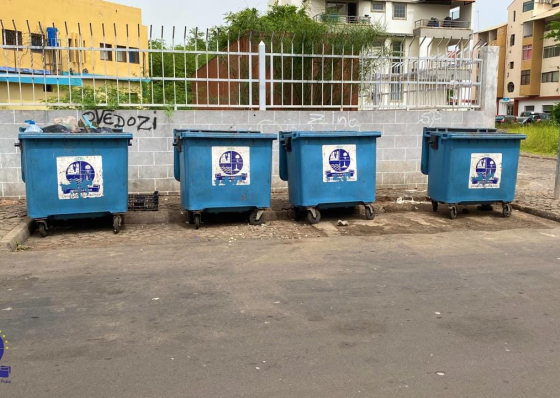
(143, 202)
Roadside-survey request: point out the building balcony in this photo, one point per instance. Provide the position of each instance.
(342, 19)
(446, 28)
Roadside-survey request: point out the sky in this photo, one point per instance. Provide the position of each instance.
(208, 13)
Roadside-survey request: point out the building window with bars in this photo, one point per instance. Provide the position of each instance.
(525, 77)
(106, 55)
(550, 77)
(377, 6)
(547, 108)
(512, 40)
(399, 11)
(12, 38)
(527, 52)
(37, 40)
(121, 55)
(551, 51)
(528, 6)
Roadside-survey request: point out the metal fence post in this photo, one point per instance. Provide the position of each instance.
(262, 76)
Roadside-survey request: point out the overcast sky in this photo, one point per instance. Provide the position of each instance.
(208, 13)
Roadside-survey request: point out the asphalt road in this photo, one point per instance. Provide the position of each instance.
(456, 314)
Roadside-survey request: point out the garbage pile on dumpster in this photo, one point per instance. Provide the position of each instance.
(76, 170)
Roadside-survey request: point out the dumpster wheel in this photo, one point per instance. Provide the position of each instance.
(197, 221)
(506, 210)
(435, 205)
(117, 220)
(42, 227)
(256, 217)
(313, 218)
(453, 212)
(370, 212)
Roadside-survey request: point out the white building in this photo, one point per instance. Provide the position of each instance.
(415, 29)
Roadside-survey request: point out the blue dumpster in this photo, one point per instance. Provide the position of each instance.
(470, 167)
(74, 175)
(329, 169)
(223, 171)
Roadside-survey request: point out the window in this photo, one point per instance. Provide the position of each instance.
(555, 5)
(514, 15)
(106, 55)
(396, 92)
(133, 57)
(511, 65)
(511, 87)
(397, 47)
(550, 77)
(47, 88)
(121, 55)
(377, 6)
(527, 52)
(399, 11)
(529, 6)
(512, 40)
(12, 37)
(551, 51)
(528, 29)
(455, 13)
(547, 108)
(36, 41)
(529, 108)
(525, 77)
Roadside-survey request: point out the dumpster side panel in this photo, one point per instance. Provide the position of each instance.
(241, 185)
(60, 172)
(176, 157)
(454, 166)
(307, 162)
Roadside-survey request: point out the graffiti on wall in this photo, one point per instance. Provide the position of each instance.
(104, 118)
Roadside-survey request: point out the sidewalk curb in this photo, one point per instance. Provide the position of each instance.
(536, 212)
(535, 156)
(19, 234)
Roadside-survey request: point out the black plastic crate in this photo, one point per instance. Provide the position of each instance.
(143, 202)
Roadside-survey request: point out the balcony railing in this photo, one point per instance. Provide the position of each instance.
(443, 24)
(335, 18)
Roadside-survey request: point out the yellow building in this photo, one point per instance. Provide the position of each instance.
(48, 47)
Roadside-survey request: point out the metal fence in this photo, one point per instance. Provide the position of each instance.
(138, 67)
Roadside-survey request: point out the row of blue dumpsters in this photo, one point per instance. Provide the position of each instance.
(85, 175)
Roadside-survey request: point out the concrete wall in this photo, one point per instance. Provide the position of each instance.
(151, 153)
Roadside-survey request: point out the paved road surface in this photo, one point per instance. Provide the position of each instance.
(457, 314)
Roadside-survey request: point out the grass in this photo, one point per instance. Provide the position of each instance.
(541, 139)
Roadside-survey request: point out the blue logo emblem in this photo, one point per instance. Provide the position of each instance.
(485, 172)
(81, 175)
(231, 163)
(339, 160)
(4, 370)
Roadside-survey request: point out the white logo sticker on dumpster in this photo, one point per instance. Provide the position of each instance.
(79, 177)
(486, 170)
(339, 163)
(231, 165)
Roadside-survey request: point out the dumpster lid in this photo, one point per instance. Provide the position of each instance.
(76, 136)
(462, 134)
(195, 133)
(330, 134)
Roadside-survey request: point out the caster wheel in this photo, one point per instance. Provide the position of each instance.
(190, 217)
(197, 221)
(316, 219)
(507, 210)
(253, 218)
(116, 224)
(43, 231)
(453, 212)
(370, 212)
(435, 206)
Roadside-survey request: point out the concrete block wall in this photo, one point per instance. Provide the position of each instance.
(151, 153)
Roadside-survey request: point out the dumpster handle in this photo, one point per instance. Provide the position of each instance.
(177, 144)
(129, 142)
(17, 144)
(287, 143)
(434, 142)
